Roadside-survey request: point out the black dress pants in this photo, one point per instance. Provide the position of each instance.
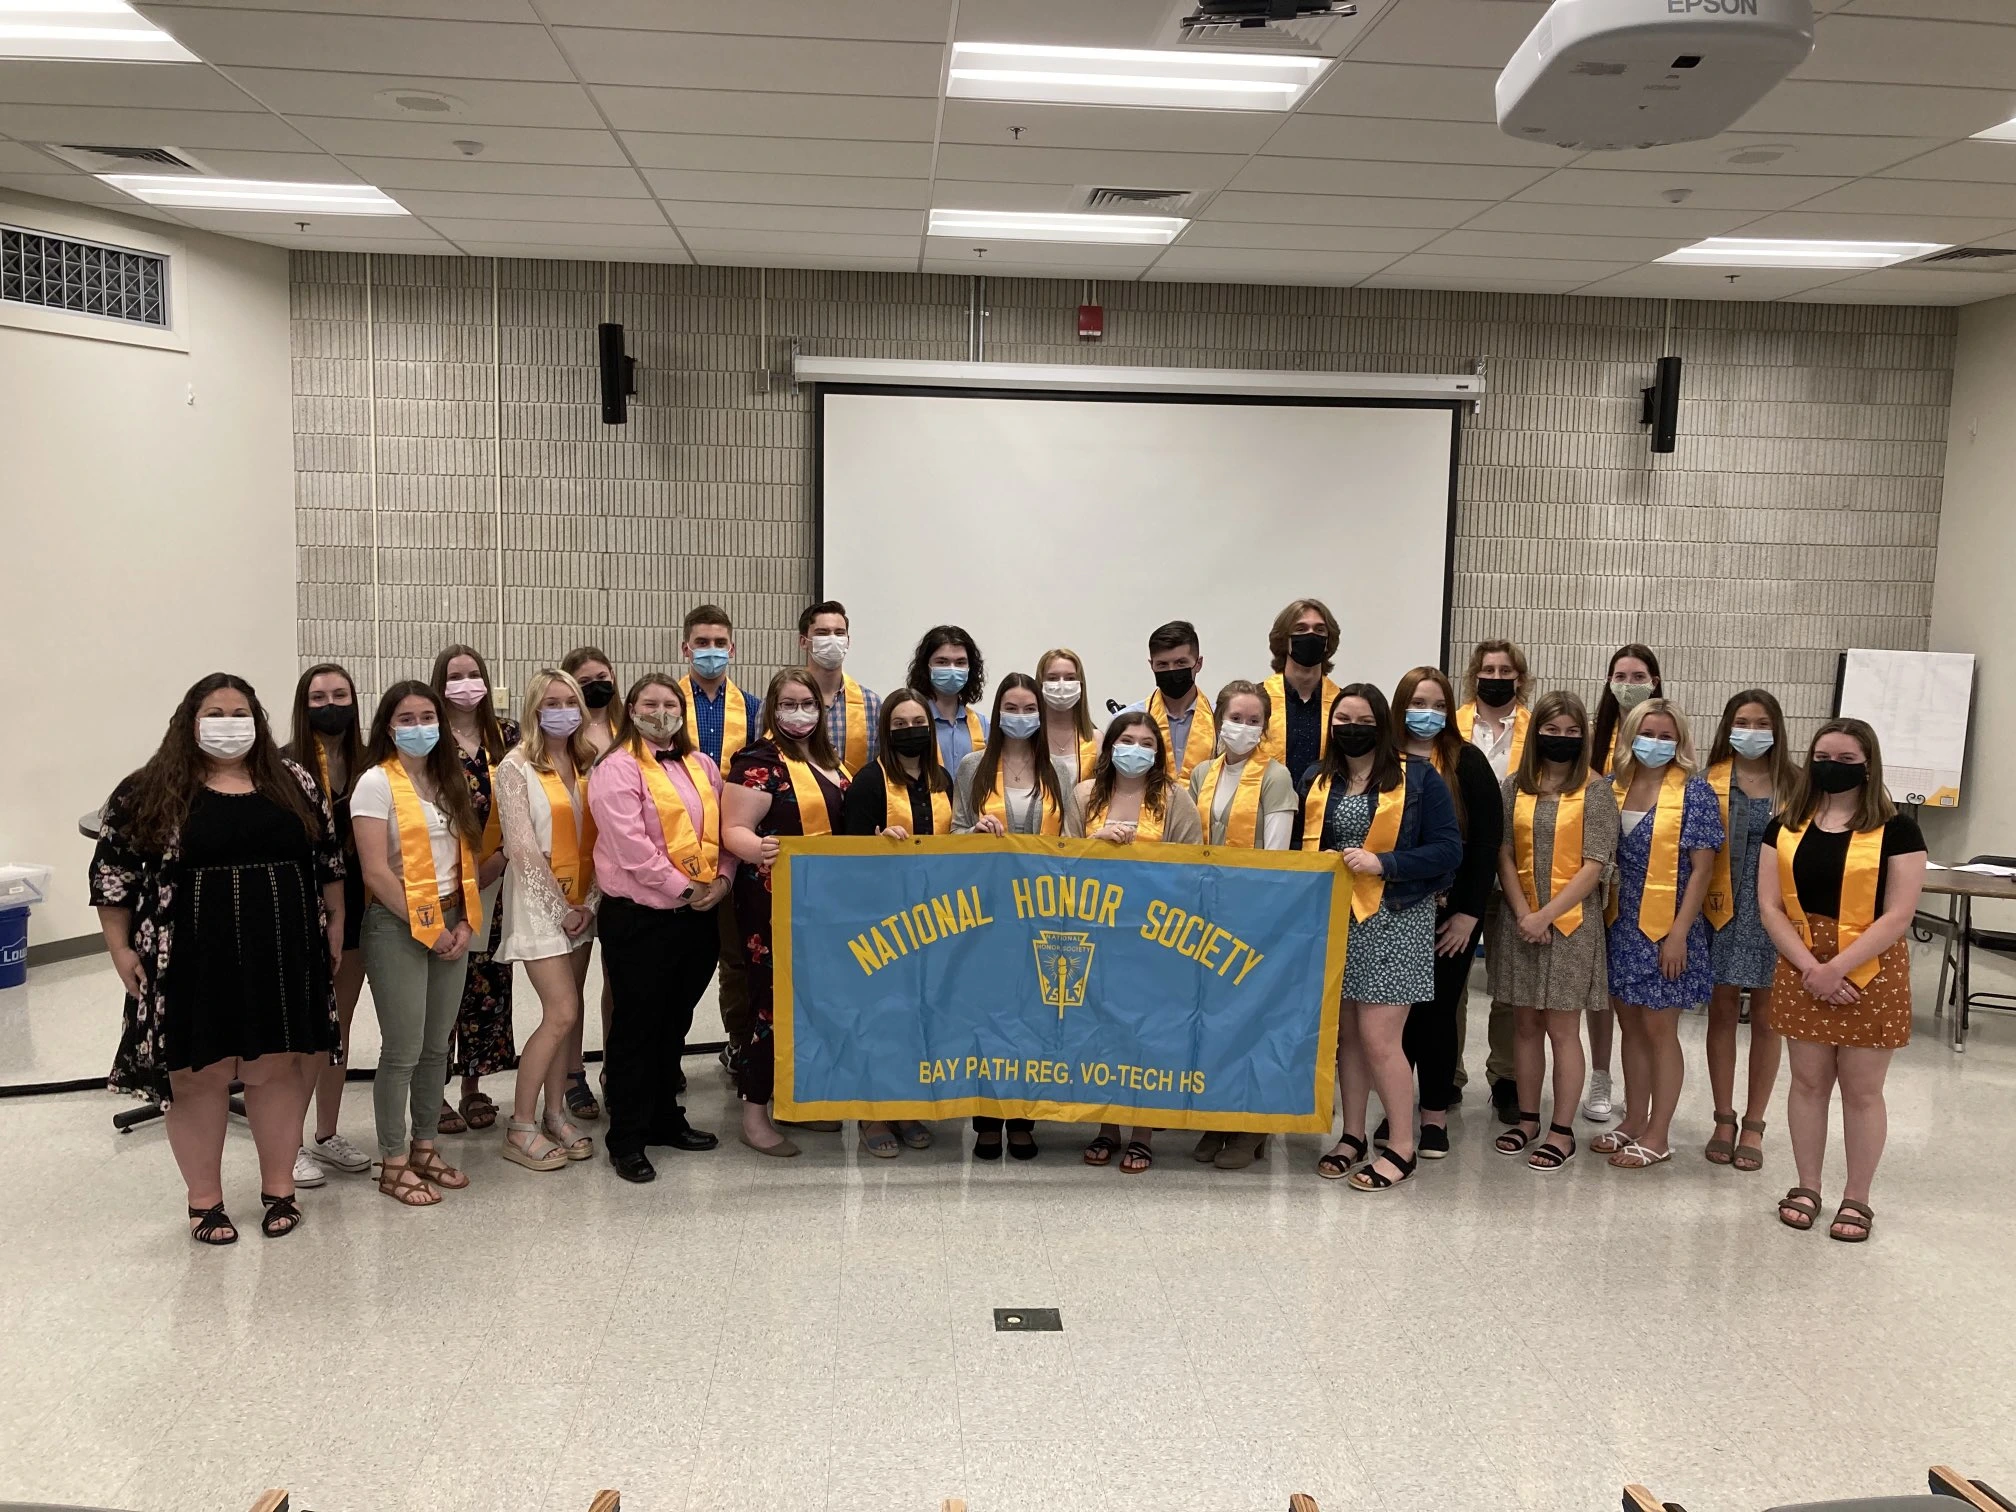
(660, 961)
(1429, 1039)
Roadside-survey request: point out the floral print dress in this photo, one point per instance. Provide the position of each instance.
(483, 1042)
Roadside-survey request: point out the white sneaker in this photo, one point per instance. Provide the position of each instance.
(1597, 1106)
(339, 1152)
(306, 1172)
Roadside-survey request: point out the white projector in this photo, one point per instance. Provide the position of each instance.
(1608, 74)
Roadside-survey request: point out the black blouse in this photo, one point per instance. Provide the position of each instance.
(1823, 856)
(1483, 833)
(867, 803)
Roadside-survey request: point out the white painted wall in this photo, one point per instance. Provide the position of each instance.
(146, 535)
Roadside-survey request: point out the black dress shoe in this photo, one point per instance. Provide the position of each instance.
(1433, 1143)
(685, 1137)
(1505, 1100)
(633, 1166)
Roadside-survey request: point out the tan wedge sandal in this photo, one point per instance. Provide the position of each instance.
(537, 1153)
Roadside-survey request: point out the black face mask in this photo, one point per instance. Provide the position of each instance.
(1496, 692)
(598, 693)
(913, 740)
(1559, 747)
(1355, 739)
(1307, 650)
(1176, 682)
(332, 719)
(1839, 776)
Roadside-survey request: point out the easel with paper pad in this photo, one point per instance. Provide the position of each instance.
(1918, 703)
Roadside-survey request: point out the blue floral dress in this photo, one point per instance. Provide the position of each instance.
(1742, 952)
(1634, 960)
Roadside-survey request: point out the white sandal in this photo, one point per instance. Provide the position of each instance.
(1637, 1157)
(537, 1154)
(572, 1142)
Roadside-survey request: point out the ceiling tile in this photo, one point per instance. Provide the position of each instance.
(1472, 284)
(864, 20)
(194, 129)
(284, 225)
(472, 175)
(1066, 23)
(1809, 155)
(1667, 221)
(966, 194)
(1884, 50)
(16, 157)
(843, 244)
(1922, 287)
(789, 260)
(80, 187)
(314, 240)
(1058, 165)
(1954, 230)
(946, 267)
(363, 44)
(789, 189)
(1848, 294)
(1263, 265)
(1465, 33)
(589, 229)
(1892, 196)
(1413, 91)
(541, 251)
(1390, 140)
(531, 207)
(287, 167)
(1976, 162)
(501, 144)
(1813, 105)
(725, 112)
(1538, 269)
(753, 154)
(1469, 242)
(1935, 10)
(695, 60)
(164, 86)
(1732, 190)
(691, 214)
(439, 10)
(1403, 180)
(1389, 239)
(1074, 254)
(988, 123)
(1339, 209)
(1669, 282)
(484, 102)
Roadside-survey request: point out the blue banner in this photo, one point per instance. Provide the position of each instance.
(1180, 987)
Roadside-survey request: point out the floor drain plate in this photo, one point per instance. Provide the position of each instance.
(1027, 1320)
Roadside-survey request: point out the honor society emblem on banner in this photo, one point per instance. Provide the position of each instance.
(1063, 968)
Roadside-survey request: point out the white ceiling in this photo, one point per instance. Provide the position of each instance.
(815, 134)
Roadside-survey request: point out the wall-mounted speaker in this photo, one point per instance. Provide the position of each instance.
(619, 375)
(1662, 405)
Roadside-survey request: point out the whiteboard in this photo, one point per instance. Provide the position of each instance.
(1086, 521)
(1917, 702)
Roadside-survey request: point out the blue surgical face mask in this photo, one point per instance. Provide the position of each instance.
(1752, 743)
(948, 680)
(1425, 724)
(416, 740)
(1133, 760)
(1021, 726)
(1653, 753)
(710, 661)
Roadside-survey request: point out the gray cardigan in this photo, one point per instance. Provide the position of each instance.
(966, 811)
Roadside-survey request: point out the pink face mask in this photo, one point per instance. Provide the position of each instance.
(466, 692)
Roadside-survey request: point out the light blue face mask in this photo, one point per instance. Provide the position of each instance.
(1426, 724)
(1653, 753)
(416, 740)
(1133, 760)
(948, 680)
(1021, 726)
(1752, 743)
(710, 661)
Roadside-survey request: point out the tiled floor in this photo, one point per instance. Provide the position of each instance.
(818, 1333)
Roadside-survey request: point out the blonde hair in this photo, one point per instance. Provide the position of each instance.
(1475, 669)
(534, 741)
(1683, 753)
(1082, 714)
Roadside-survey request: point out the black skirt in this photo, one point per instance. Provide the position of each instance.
(249, 972)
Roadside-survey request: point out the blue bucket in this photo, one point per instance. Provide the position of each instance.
(13, 947)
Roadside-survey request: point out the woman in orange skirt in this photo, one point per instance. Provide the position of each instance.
(1837, 885)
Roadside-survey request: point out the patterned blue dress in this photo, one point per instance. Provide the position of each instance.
(1634, 960)
(1741, 951)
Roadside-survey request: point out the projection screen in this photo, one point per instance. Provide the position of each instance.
(1037, 520)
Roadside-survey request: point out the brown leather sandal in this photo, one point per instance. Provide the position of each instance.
(1721, 1151)
(432, 1168)
(404, 1184)
(478, 1111)
(450, 1122)
(1857, 1217)
(1749, 1157)
(1801, 1200)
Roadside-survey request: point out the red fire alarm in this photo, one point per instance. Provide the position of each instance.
(1091, 322)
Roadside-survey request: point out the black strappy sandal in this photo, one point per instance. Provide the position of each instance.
(1102, 1150)
(1515, 1139)
(213, 1226)
(1548, 1158)
(1136, 1158)
(283, 1216)
(1372, 1179)
(1336, 1166)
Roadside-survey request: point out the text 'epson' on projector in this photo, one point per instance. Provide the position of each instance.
(1610, 74)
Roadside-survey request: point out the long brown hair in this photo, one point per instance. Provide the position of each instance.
(1239, 687)
(1283, 630)
(1783, 774)
(451, 782)
(990, 757)
(1559, 704)
(489, 733)
(1475, 669)
(1156, 785)
(630, 738)
(1389, 768)
(1873, 810)
(928, 765)
(167, 785)
(1608, 710)
(1448, 745)
(303, 745)
(817, 745)
(1081, 717)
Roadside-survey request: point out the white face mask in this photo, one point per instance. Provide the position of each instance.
(829, 651)
(226, 736)
(1063, 695)
(1239, 739)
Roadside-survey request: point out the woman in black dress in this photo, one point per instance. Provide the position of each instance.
(223, 849)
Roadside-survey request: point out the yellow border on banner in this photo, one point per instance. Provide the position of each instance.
(1317, 1121)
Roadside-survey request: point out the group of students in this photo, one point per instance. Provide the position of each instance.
(248, 888)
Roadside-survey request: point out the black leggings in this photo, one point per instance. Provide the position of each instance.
(660, 961)
(1430, 1037)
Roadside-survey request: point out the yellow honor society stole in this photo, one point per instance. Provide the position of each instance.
(734, 717)
(1859, 876)
(697, 853)
(1720, 904)
(997, 805)
(1380, 838)
(1202, 740)
(416, 863)
(1147, 823)
(1567, 858)
(1466, 721)
(896, 807)
(854, 749)
(813, 816)
(1661, 897)
(1242, 820)
(1274, 744)
(573, 858)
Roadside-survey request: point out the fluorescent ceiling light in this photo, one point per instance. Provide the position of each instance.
(1765, 252)
(181, 192)
(1022, 225)
(94, 30)
(2006, 132)
(1127, 76)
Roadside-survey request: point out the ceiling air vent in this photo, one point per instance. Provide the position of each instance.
(1968, 260)
(95, 159)
(1268, 25)
(1138, 201)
